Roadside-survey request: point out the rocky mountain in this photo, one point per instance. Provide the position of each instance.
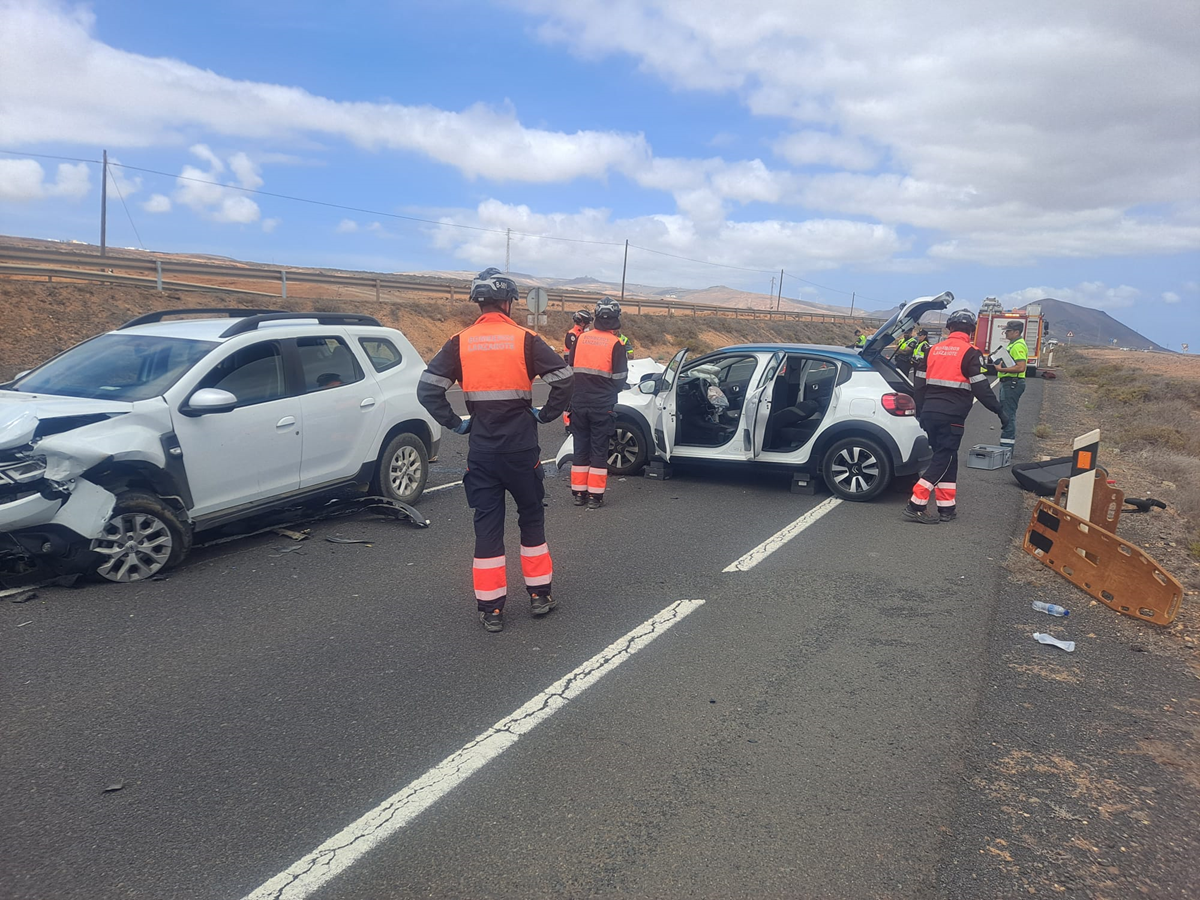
(1090, 326)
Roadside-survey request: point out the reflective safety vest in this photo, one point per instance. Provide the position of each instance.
(576, 330)
(626, 343)
(905, 346)
(944, 365)
(921, 348)
(860, 341)
(492, 354)
(593, 353)
(1018, 350)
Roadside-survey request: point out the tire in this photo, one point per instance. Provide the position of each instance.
(857, 468)
(403, 469)
(628, 450)
(142, 538)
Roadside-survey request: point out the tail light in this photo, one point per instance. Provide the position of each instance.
(899, 404)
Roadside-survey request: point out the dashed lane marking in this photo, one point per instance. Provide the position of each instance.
(781, 537)
(346, 847)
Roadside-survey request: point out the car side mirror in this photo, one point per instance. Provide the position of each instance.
(209, 400)
(648, 385)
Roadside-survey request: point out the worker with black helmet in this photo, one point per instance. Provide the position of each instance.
(601, 368)
(495, 360)
(949, 379)
(581, 320)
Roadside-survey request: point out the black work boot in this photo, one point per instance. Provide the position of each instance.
(579, 497)
(492, 619)
(947, 515)
(595, 501)
(912, 514)
(540, 604)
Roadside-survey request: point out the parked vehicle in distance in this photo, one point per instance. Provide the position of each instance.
(845, 415)
(117, 452)
(989, 332)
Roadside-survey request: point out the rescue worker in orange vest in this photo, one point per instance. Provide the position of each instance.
(601, 368)
(949, 378)
(496, 361)
(582, 320)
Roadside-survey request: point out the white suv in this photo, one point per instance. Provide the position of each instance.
(116, 452)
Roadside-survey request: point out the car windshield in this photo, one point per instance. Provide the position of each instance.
(124, 367)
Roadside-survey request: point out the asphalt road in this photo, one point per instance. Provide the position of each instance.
(800, 733)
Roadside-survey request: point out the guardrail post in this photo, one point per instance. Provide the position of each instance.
(451, 293)
(158, 274)
(283, 280)
(376, 290)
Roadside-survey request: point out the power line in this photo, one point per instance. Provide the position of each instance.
(127, 215)
(390, 215)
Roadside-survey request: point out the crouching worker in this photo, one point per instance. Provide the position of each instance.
(496, 361)
(601, 368)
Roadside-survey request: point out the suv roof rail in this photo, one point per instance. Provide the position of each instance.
(159, 315)
(250, 323)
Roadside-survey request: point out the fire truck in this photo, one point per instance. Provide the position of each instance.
(989, 332)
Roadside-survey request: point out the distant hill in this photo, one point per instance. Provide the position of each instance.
(1093, 327)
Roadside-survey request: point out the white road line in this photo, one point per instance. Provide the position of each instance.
(342, 850)
(781, 537)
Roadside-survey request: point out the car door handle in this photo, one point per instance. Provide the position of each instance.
(367, 404)
(286, 422)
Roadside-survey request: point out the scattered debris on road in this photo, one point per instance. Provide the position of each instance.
(115, 786)
(1069, 646)
(23, 597)
(338, 540)
(294, 535)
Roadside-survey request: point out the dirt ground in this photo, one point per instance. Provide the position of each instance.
(42, 319)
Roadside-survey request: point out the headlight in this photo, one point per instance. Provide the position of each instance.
(24, 472)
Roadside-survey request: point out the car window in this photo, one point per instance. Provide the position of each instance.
(819, 378)
(327, 363)
(382, 353)
(116, 366)
(253, 374)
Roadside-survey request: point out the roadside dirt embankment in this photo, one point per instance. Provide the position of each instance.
(42, 319)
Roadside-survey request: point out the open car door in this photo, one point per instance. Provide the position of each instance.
(663, 412)
(908, 317)
(757, 407)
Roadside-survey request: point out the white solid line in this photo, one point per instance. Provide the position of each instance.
(342, 850)
(781, 537)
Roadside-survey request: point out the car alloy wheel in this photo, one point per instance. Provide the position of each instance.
(404, 471)
(857, 469)
(626, 450)
(134, 546)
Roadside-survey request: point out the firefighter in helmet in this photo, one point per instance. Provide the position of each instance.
(601, 367)
(581, 320)
(949, 379)
(495, 360)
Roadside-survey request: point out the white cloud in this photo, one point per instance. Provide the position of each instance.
(157, 203)
(23, 180)
(269, 225)
(806, 148)
(200, 191)
(1171, 297)
(346, 226)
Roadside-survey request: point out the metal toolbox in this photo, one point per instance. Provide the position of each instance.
(988, 456)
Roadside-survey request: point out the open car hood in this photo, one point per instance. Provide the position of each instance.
(908, 317)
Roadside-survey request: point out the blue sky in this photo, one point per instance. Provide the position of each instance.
(1015, 148)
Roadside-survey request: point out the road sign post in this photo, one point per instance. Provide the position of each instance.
(536, 300)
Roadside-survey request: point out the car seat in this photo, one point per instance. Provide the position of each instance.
(789, 430)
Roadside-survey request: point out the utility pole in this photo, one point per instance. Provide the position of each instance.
(772, 288)
(104, 204)
(852, 302)
(624, 266)
(507, 248)
(779, 301)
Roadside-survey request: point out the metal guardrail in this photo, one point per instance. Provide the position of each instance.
(80, 266)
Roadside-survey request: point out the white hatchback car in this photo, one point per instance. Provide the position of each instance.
(116, 452)
(846, 415)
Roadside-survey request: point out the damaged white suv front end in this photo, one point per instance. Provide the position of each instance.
(51, 505)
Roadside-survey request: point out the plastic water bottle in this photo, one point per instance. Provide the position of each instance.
(1069, 646)
(1052, 608)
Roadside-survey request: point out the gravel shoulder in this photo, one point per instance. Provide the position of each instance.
(1084, 774)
